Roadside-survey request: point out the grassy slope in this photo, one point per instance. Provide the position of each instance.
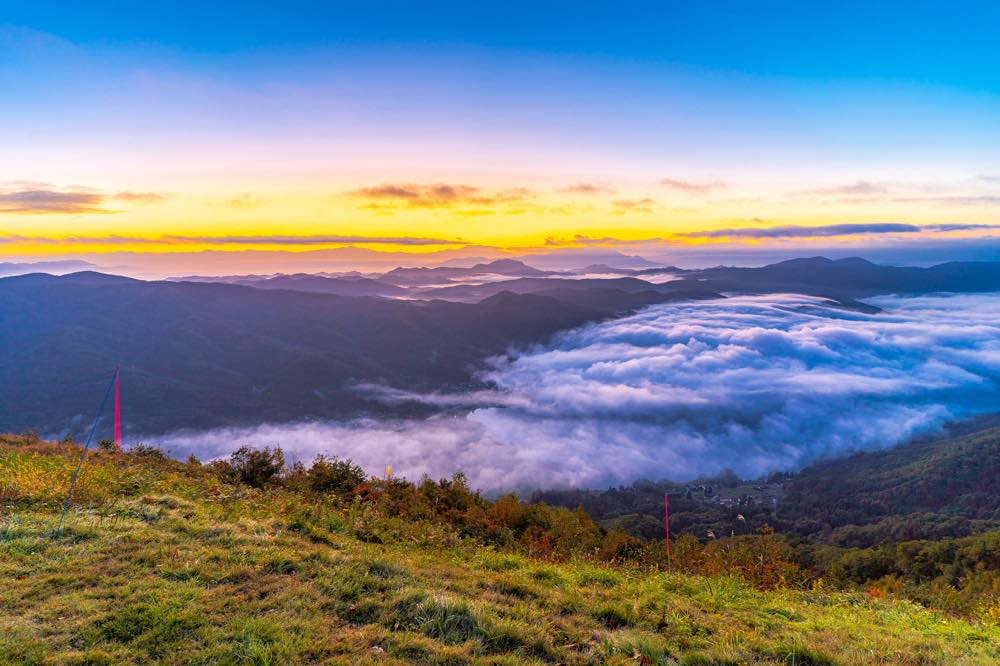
(160, 562)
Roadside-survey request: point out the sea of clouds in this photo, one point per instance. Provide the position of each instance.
(677, 391)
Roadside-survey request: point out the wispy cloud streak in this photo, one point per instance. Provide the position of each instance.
(437, 195)
(822, 231)
(39, 201)
(233, 240)
(861, 188)
(587, 188)
(40, 198)
(692, 188)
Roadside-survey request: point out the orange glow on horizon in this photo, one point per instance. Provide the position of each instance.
(424, 218)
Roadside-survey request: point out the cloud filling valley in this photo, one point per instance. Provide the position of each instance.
(681, 390)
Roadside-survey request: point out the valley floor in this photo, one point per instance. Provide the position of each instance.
(160, 562)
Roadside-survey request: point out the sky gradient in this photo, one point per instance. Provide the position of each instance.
(449, 129)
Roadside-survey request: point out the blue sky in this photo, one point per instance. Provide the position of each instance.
(253, 118)
(950, 44)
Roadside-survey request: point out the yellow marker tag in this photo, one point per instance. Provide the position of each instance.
(388, 471)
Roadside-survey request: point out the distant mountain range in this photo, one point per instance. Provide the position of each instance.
(853, 278)
(57, 266)
(199, 354)
(399, 282)
(843, 280)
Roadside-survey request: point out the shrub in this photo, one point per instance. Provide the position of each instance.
(334, 476)
(619, 546)
(256, 467)
(451, 499)
(27, 438)
(147, 451)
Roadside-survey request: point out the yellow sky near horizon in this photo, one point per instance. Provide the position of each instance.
(43, 220)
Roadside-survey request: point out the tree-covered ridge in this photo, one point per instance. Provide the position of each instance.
(927, 489)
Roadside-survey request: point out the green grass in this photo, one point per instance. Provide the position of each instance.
(160, 562)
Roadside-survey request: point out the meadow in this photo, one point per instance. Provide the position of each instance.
(162, 561)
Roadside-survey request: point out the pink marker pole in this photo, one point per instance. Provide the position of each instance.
(118, 415)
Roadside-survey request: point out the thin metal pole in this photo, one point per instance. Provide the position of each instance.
(83, 454)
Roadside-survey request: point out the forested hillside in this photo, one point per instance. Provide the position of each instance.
(936, 487)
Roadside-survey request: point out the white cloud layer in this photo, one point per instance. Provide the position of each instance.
(754, 384)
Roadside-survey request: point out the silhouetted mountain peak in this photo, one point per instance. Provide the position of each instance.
(824, 262)
(504, 265)
(801, 262)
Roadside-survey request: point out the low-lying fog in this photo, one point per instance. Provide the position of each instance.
(754, 384)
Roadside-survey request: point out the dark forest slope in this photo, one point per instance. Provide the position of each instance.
(200, 354)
